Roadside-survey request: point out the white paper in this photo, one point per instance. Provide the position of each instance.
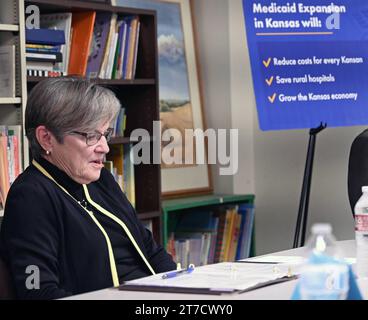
(278, 259)
(226, 276)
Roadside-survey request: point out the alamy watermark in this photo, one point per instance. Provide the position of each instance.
(170, 147)
(333, 21)
(33, 18)
(33, 280)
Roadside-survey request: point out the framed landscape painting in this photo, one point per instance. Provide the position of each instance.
(179, 94)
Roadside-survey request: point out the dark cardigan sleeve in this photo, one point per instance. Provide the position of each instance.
(30, 236)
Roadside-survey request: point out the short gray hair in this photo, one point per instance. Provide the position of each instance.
(67, 104)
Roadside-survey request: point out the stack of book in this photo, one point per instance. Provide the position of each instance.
(92, 44)
(114, 50)
(10, 155)
(206, 237)
(43, 52)
(62, 22)
(120, 124)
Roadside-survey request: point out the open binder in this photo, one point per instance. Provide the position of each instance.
(217, 279)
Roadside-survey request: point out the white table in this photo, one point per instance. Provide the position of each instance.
(281, 291)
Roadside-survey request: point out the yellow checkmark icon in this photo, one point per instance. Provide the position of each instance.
(269, 81)
(272, 98)
(266, 63)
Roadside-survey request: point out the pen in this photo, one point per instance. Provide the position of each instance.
(176, 273)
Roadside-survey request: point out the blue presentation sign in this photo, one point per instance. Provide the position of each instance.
(309, 62)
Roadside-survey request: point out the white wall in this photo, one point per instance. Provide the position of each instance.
(271, 163)
(214, 61)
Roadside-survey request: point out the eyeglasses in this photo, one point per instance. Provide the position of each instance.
(93, 137)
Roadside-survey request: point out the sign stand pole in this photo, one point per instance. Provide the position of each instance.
(304, 197)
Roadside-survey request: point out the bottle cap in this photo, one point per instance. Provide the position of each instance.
(323, 228)
(365, 189)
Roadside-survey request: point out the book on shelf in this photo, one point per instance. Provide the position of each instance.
(120, 124)
(109, 40)
(10, 157)
(111, 54)
(211, 254)
(40, 48)
(45, 36)
(234, 237)
(191, 241)
(4, 169)
(120, 27)
(245, 236)
(40, 65)
(43, 52)
(100, 33)
(191, 248)
(135, 54)
(123, 169)
(211, 236)
(221, 216)
(60, 21)
(121, 47)
(121, 54)
(15, 136)
(240, 254)
(129, 176)
(44, 73)
(109, 165)
(131, 47)
(194, 247)
(81, 39)
(7, 73)
(44, 57)
(225, 238)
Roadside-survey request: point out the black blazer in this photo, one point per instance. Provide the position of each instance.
(45, 227)
(358, 168)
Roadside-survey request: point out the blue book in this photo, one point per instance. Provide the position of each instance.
(243, 212)
(100, 34)
(246, 228)
(249, 230)
(128, 21)
(44, 50)
(45, 36)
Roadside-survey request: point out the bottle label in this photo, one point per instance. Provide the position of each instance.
(361, 222)
(327, 281)
(363, 210)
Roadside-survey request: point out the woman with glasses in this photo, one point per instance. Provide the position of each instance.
(68, 228)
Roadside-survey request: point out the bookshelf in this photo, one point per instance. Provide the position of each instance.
(12, 105)
(139, 96)
(9, 27)
(175, 210)
(12, 100)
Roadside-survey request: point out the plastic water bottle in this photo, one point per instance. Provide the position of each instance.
(361, 234)
(323, 278)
